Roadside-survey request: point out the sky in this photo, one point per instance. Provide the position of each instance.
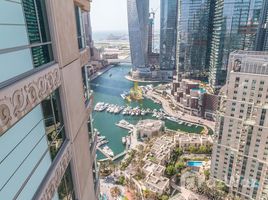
(111, 15)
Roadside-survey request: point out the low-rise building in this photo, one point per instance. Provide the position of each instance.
(157, 184)
(161, 150)
(186, 140)
(148, 128)
(194, 100)
(107, 56)
(151, 167)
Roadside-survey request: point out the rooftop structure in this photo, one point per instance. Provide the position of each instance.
(151, 167)
(194, 100)
(149, 128)
(162, 149)
(157, 184)
(186, 140)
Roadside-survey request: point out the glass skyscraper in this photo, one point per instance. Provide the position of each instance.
(235, 27)
(194, 33)
(168, 34)
(138, 19)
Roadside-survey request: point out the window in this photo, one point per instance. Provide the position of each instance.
(80, 28)
(66, 188)
(53, 120)
(86, 84)
(38, 31)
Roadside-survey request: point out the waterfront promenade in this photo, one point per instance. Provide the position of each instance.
(178, 114)
(100, 72)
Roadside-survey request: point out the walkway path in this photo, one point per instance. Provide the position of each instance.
(179, 114)
(100, 72)
(185, 192)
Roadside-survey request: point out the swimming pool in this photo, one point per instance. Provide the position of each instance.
(104, 197)
(195, 163)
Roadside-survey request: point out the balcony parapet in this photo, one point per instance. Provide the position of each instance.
(84, 4)
(56, 171)
(84, 56)
(93, 147)
(20, 97)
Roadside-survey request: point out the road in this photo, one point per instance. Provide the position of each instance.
(179, 114)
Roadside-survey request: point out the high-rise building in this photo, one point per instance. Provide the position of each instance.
(168, 34)
(194, 33)
(240, 151)
(151, 33)
(235, 27)
(47, 143)
(138, 23)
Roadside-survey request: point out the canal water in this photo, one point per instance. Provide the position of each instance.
(107, 88)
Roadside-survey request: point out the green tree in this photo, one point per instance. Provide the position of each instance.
(178, 151)
(180, 165)
(170, 170)
(121, 180)
(192, 149)
(207, 174)
(202, 149)
(164, 197)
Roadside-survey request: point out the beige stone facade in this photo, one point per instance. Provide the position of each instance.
(21, 95)
(240, 151)
(184, 140)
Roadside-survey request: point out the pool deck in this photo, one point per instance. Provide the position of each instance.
(195, 163)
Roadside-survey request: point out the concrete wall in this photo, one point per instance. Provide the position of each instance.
(76, 114)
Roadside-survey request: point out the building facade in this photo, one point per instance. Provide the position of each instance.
(194, 34)
(168, 34)
(47, 149)
(194, 100)
(138, 24)
(235, 27)
(240, 150)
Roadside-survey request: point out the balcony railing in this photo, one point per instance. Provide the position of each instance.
(55, 136)
(88, 95)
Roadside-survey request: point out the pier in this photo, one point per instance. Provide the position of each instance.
(125, 125)
(112, 158)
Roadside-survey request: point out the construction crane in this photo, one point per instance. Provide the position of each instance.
(151, 29)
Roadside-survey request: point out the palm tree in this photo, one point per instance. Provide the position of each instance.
(115, 192)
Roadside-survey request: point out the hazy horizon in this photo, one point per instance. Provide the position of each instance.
(111, 15)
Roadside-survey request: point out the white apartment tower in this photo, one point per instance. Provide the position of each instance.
(240, 152)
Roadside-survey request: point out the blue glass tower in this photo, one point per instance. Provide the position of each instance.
(235, 27)
(194, 30)
(168, 34)
(138, 18)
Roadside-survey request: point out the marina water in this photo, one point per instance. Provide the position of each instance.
(107, 88)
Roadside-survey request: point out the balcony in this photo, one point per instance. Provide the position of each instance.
(55, 173)
(88, 93)
(93, 145)
(84, 56)
(84, 4)
(20, 96)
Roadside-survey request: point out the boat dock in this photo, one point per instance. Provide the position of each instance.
(108, 157)
(125, 125)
